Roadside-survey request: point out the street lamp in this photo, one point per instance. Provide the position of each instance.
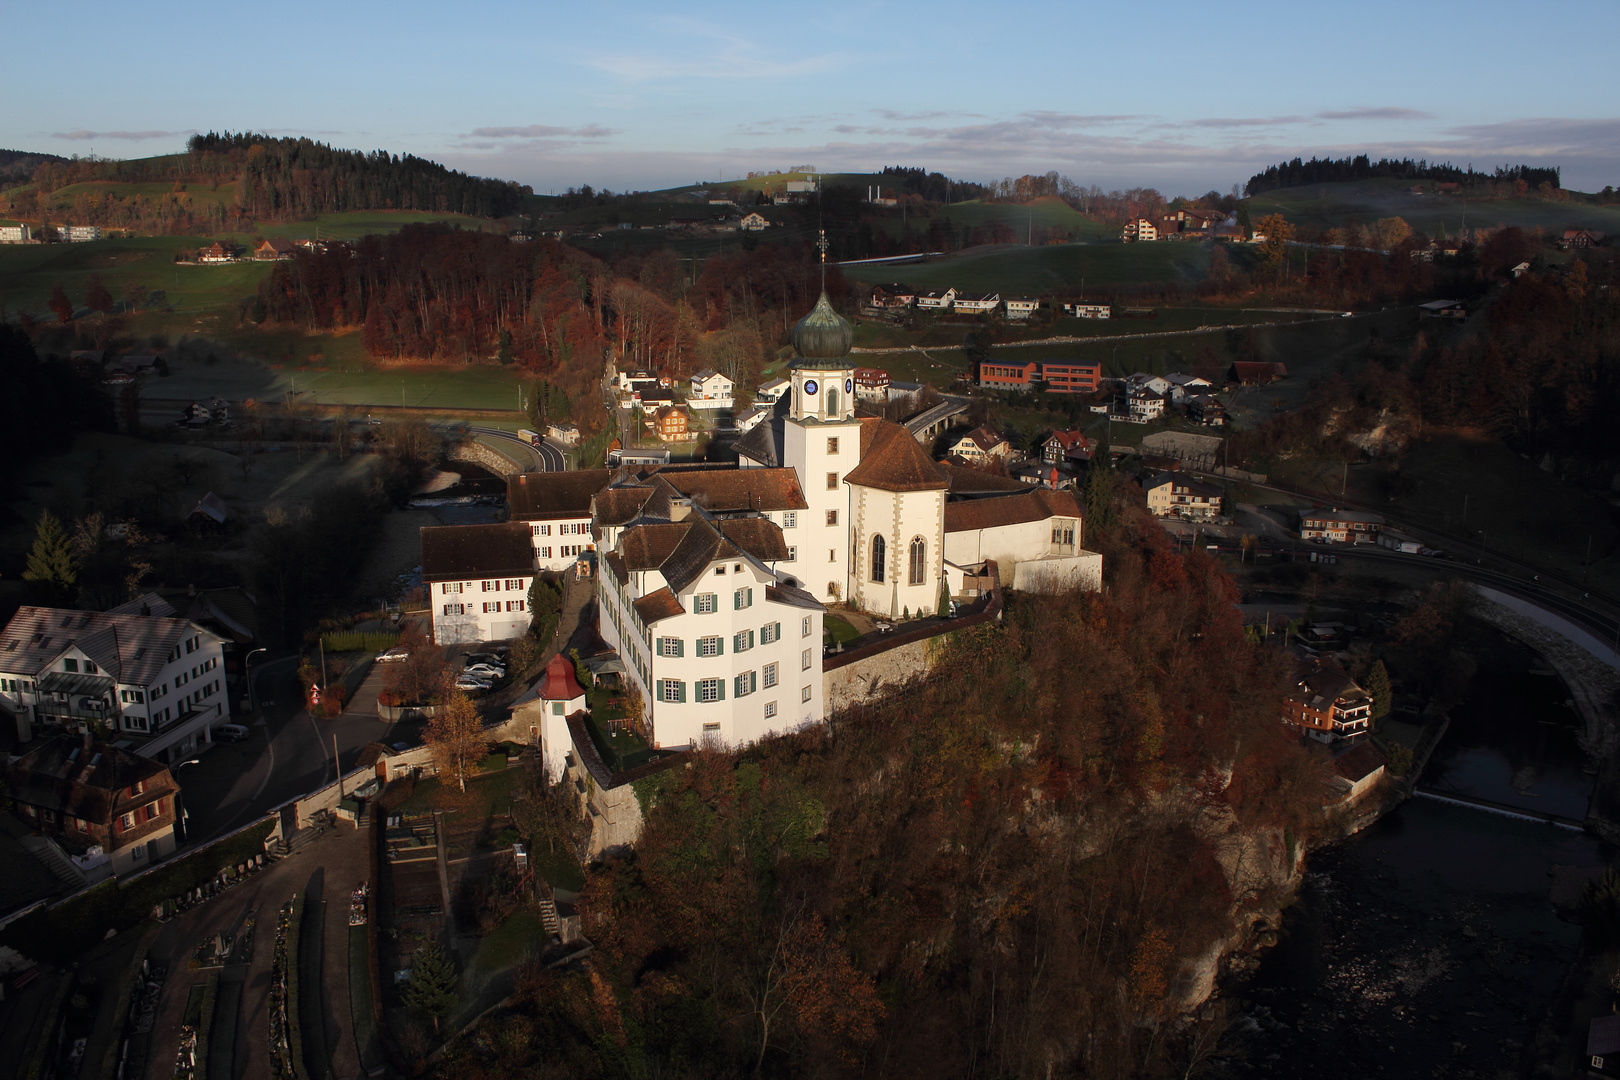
(247, 668)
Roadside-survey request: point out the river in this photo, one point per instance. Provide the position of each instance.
(1429, 944)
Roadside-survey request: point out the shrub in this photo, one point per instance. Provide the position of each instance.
(359, 640)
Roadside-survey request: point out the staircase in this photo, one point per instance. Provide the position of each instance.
(548, 914)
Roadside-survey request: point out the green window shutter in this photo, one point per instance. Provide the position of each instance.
(720, 645)
(750, 639)
(680, 691)
(680, 647)
(736, 600)
(753, 681)
(721, 684)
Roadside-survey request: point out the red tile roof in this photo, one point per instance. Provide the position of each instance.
(559, 682)
(662, 604)
(537, 496)
(454, 552)
(971, 515)
(893, 460)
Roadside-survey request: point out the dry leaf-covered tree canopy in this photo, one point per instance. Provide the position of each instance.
(998, 872)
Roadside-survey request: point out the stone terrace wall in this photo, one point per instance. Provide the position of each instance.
(485, 457)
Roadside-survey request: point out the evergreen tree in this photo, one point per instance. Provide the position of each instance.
(504, 352)
(51, 562)
(1378, 686)
(432, 986)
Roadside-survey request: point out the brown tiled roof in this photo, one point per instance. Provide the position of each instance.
(728, 490)
(645, 547)
(1359, 762)
(662, 604)
(760, 538)
(455, 552)
(620, 505)
(970, 515)
(892, 460)
(91, 786)
(615, 563)
(965, 480)
(684, 550)
(538, 496)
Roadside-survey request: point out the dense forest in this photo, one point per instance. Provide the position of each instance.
(1297, 173)
(430, 292)
(1009, 872)
(277, 179)
(17, 166)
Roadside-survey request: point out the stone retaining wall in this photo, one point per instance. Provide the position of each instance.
(484, 457)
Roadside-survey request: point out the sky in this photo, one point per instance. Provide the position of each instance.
(639, 96)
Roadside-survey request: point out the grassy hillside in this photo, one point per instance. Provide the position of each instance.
(1322, 206)
(1046, 211)
(1048, 269)
(27, 273)
(62, 200)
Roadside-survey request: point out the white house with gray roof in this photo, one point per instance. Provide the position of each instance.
(157, 681)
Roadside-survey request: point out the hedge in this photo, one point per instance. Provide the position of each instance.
(339, 641)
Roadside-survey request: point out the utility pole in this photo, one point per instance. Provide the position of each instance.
(323, 661)
(1344, 481)
(1465, 510)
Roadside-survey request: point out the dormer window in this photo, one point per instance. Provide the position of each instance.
(70, 664)
(90, 667)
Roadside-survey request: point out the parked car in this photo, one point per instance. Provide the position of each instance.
(472, 682)
(394, 655)
(485, 671)
(230, 733)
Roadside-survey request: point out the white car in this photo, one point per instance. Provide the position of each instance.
(468, 682)
(394, 655)
(485, 671)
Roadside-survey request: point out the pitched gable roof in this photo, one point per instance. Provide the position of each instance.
(1037, 505)
(538, 496)
(559, 682)
(452, 552)
(893, 460)
(129, 648)
(730, 490)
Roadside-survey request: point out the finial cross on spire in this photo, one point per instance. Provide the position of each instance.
(821, 242)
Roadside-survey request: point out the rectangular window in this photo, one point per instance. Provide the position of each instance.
(832, 481)
(670, 646)
(769, 633)
(770, 709)
(711, 690)
(804, 695)
(804, 660)
(832, 445)
(832, 517)
(709, 646)
(793, 554)
(720, 571)
(127, 821)
(742, 641)
(745, 683)
(742, 598)
(770, 675)
(790, 519)
(90, 667)
(70, 664)
(705, 603)
(804, 626)
(514, 584)
(672, 690)
(543, 552)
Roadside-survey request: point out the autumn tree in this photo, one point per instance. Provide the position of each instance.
(97, 297)
(455, 735)
(414, 680)
(59, 303)
(1278, 231)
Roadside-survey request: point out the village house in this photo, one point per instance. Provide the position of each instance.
(86, 794)
(893, 297)
(215, 253)
(673, 424)
(1443, 309)
(753, 222)
(1079, 310)
(772, 391)
(1060, 444)
(709, 390)
(567, 434)
(1340, 526)
(872, 385)
(1021, 307)
(979, 445)
(747, 420)
(1326, 704)
(477, 579)
(158, 681)
(1181, 386)
(1581, 238)
(556, 507)
(1144, 406)
(936, 299)
(1174, 494)
(1139, 229)
(79, 234)
(976, 303)
(1204, 409)
(275, 248)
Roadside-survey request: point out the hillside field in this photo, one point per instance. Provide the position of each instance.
(1322, 206)
(1047, 270)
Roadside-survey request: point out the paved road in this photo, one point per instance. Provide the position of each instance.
(547, 457)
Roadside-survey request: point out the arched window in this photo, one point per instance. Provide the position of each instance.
(919, 560)
(832, 403)
(877, 558)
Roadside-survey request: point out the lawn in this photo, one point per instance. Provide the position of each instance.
(487, 795)
(838, 631)
(1319, 206)
(1039, 215)
(1045, 270)
(478, 386)
(28, 272)
(510, 943)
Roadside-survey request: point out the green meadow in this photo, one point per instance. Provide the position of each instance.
(1049, 269)
(1322, 206)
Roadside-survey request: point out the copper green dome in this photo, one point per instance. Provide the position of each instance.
(822, 338)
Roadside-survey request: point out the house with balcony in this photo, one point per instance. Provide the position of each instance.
(1175, 494)
(872, 385)
(1061, 445)
(1079, 310)
(980, 445)
(556, 507)
(709, 390)
(1326, 704)
(157, 680)
(976, 303)
(85, 794)
(893, 297)
(477, 579)
(1022, 307)
(936, 299)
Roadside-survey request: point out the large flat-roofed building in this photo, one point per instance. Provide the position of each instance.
(477, 579)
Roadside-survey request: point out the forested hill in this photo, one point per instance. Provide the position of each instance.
(1298, 173)
(295, 179)
(19, 165)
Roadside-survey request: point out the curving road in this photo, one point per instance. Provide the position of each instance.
(546, 457)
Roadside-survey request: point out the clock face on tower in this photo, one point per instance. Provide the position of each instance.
(810, 387)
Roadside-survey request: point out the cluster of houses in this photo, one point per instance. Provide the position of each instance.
(896, 298)
(271, 250)
(1184, 225)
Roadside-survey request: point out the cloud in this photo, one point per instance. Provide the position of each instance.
(543, 131)
(1385, 113)
(898, 117)
(82, 135)
(722, 55)
(1078, 119)
(1239, 122)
